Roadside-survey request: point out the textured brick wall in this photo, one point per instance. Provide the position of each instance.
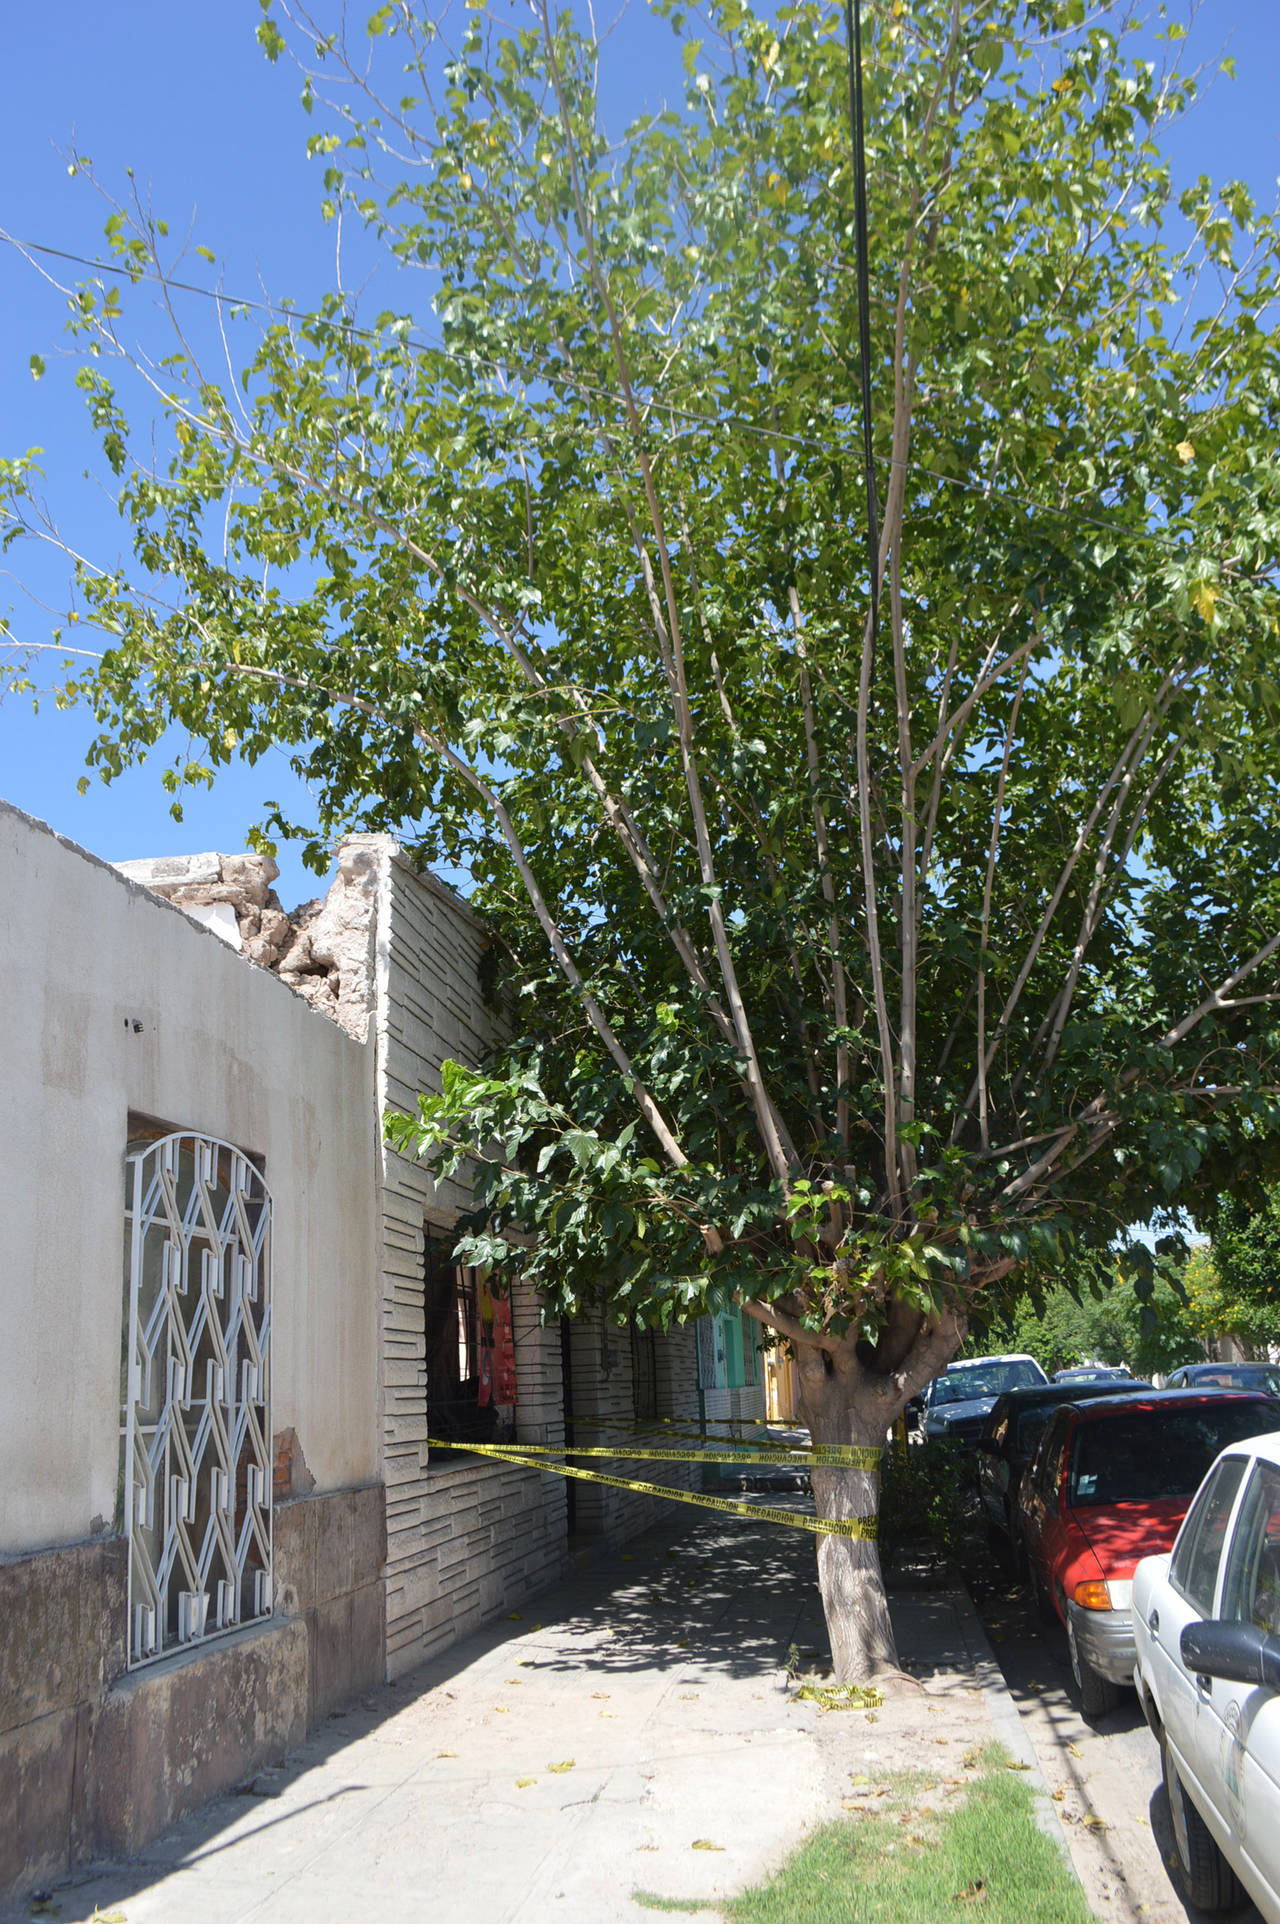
(466, 1538)
(469, 1538)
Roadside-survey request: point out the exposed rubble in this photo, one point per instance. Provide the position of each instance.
(324, 949)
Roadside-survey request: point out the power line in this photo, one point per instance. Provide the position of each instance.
(279, 310)
(853, 29)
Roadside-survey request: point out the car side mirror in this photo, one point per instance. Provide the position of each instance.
(1236, 1652)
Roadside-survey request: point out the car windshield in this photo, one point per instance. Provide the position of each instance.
(1146, 1454)
(963, 1386)
(1238, 1376)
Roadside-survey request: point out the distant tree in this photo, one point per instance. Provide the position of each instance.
(1245, 1266)
(1109, 1319)
(881, 921)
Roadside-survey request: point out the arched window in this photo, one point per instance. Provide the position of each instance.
(197, 1410)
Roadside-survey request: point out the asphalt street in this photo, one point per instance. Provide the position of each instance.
(1104, 1778)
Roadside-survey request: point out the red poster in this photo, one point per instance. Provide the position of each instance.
(497, 1347)
(504, 1351)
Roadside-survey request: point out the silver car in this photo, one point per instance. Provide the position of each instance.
(1207, 1634)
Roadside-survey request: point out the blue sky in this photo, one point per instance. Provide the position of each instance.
(179, 92)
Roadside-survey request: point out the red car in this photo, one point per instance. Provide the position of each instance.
(1110, 1484)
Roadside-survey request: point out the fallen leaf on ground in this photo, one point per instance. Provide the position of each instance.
(1011, 1763)
(523, 1783)
(682, 1643)
(1095, 1823)
(446, 1753)
(942, 1740)
(502, 1710)
(513, 1616)
(970, 1760)
(627, 1557)
(560, 1768)
(1058, 1796)
(971, 1892)
(1075, 1750)
(705, 1844)
(600, 1693)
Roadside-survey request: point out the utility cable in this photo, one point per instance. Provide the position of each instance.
(853, 29)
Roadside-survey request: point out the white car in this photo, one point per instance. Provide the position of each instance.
(958, 1403)
(1206, 1622)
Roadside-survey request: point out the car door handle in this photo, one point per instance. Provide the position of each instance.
(1153, 1622)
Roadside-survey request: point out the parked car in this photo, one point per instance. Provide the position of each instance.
(1110, 1483)
(958, 1403)
(1093, 1373)
(1227, 1376)
(1208, 1674)
(1008, 1442)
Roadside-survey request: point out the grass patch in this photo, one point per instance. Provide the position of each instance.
(650, 1901)
(915, 1854)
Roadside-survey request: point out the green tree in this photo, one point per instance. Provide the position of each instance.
(1113, 1319)
(1240, 1294)
(877, 925)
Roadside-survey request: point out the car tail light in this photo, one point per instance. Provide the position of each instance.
(1096, 1595)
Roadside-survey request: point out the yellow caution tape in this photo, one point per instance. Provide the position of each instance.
(865, 1528)
(840, 1456)
(824, 1456)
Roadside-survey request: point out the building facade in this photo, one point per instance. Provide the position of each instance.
(240, 1343)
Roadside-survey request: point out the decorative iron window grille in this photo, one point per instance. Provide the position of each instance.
(197, 1416)
(644, 1372)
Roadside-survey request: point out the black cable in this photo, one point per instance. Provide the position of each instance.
(853, 30)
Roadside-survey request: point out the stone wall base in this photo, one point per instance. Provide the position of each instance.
(97, 1760)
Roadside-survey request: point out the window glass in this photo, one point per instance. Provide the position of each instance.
(1049, 1465)
(1142, 1455)
(966, 1385)
(1194, 1568)
(459, 1405)
(1031, 1428)
(1251, 1590)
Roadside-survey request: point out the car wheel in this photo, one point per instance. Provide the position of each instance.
(1098, 1694)
(1209, 1880)
(1041, 1601)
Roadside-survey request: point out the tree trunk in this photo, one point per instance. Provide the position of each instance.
(849, 1574)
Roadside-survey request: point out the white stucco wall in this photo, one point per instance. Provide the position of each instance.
(224, 1048)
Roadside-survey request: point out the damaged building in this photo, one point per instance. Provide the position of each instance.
(236, 1329)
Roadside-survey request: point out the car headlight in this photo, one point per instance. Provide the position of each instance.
(1107, 1595)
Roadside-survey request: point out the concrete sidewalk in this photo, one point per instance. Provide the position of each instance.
(632, 1730)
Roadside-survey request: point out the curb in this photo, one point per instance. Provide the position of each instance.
(1008, 1723)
